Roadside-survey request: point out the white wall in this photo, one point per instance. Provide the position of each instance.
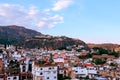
(58, 60)
(46, 72)
(84, 71)
(12, 78)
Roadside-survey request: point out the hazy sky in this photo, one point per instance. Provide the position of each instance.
(93, 21)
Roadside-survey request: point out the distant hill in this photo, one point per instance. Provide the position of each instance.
(28, 38)
(54, 42)
(12, 34)
(108, 46)
(17, 32)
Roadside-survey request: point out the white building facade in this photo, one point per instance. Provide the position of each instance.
(83, 72)
(47, 72)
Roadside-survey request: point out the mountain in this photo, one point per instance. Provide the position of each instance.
(51, 42)
(108, 46)
(28, 38)
(12, 34)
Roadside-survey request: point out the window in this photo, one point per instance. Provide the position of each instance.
(41, 69)
(41, 73)
(48, 72)
(8, 78)
(23, 70)
(55, 77)
(76, 71)
(49, 68)
(14, 78)
(47, 77)
(23, 66)
(54, 72)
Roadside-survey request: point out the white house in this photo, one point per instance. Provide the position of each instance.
(13, 77)
(56, 60)
(80, 72)
(16, 56)
(25, 64)
(44, 72)
(83, 71)
(1, 55)
(117, 60)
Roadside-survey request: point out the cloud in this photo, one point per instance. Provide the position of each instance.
(31, 18)
(56, 19)
(61, 4)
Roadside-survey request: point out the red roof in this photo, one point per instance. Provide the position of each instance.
(23, 59)
(87, 64)
(60, 63)
(26, 74)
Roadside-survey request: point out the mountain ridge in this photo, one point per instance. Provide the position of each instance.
(108, 46)
(28, 38)
(17, 32)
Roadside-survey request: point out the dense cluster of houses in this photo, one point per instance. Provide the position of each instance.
(38, 64)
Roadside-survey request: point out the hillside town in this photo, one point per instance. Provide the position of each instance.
(59, 40)
(72, 63)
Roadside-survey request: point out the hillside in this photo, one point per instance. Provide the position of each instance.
(53, 42)
(12, 34)
(108, 46)
(27, 38)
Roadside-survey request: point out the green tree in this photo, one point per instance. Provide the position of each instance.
(101, 50)
(60, 77)
(1, 51)
(67, 77)
(62, 48)
(86, 56)
(99, 61)
(113, 64)
(87, 78)
(114, 54)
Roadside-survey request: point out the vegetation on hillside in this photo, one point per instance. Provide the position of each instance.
(26, 38)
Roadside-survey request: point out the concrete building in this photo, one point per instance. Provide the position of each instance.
(84, 72)
(14, 77)
(44, 71)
